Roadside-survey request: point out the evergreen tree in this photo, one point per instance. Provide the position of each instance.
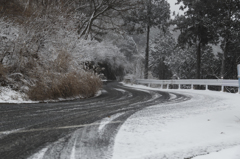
(195, 28)
(225, 19)
(232, 58)
(153, 13)
(161, 47)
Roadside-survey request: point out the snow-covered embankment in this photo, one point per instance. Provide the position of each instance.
(209, 122)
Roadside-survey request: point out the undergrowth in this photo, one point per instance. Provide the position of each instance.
(55, 86)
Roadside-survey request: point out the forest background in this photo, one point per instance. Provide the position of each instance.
(52, 49)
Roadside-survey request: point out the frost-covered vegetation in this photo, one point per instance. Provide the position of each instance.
(58, 49)
(45, 43)
(40, 53)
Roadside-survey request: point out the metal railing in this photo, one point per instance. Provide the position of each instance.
(206, 82)
(238, 67)
(191, 82)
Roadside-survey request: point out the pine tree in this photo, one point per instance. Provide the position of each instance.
(162, 47)
(195, 28)
(153, 13)
(225, 20)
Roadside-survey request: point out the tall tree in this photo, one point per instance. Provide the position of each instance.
(232, 57)
(152, 13)
(162, 46)
(195, 28)
(221, 18)
(225, 18)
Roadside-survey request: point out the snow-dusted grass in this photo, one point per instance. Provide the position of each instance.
(8, 95)
(207, 123)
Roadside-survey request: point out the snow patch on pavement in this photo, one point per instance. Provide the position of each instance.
(98, 93)
(124, 92)
(5, 133)
(172, 96)
(120, 90)
(9, 132)
(107, 120)
(207, 123)
(40, 154)
(72, 156)
(104, 91)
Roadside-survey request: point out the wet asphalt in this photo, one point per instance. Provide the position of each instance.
(27, 128)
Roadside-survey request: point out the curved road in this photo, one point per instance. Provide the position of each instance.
(71, 129)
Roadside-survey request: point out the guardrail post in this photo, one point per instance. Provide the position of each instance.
(206, 87)
(167, 86)
(179, 86)
(238, 67)
(191, 86)
(222, 88)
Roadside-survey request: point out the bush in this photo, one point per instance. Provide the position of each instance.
(3, 72)
(72, 84)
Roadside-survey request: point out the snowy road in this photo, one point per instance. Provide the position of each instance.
(75, 129)
(125, 122)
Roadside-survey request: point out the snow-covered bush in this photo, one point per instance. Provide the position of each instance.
(36, 55)
(103, 54)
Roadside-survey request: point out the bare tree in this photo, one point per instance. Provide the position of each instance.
(102, 15)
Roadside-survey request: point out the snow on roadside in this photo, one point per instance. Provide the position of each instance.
(207, 123)
(8, 95)
(230, 153)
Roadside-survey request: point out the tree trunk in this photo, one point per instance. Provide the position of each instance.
(199, 60)
(224, 58)
(147, 45)
(163, 69)
(147, 54)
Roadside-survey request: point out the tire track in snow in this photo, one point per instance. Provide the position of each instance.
(59, 124)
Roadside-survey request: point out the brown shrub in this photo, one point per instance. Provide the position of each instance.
(3, 72)
(73, 84)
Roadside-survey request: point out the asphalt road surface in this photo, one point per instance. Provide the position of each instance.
(70, 129)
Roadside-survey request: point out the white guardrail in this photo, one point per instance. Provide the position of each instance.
(192, 82)
(238, 68)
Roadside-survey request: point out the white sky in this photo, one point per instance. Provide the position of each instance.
(174, 7)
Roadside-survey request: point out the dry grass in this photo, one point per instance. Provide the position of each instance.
(3, 73)
(72, 84)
